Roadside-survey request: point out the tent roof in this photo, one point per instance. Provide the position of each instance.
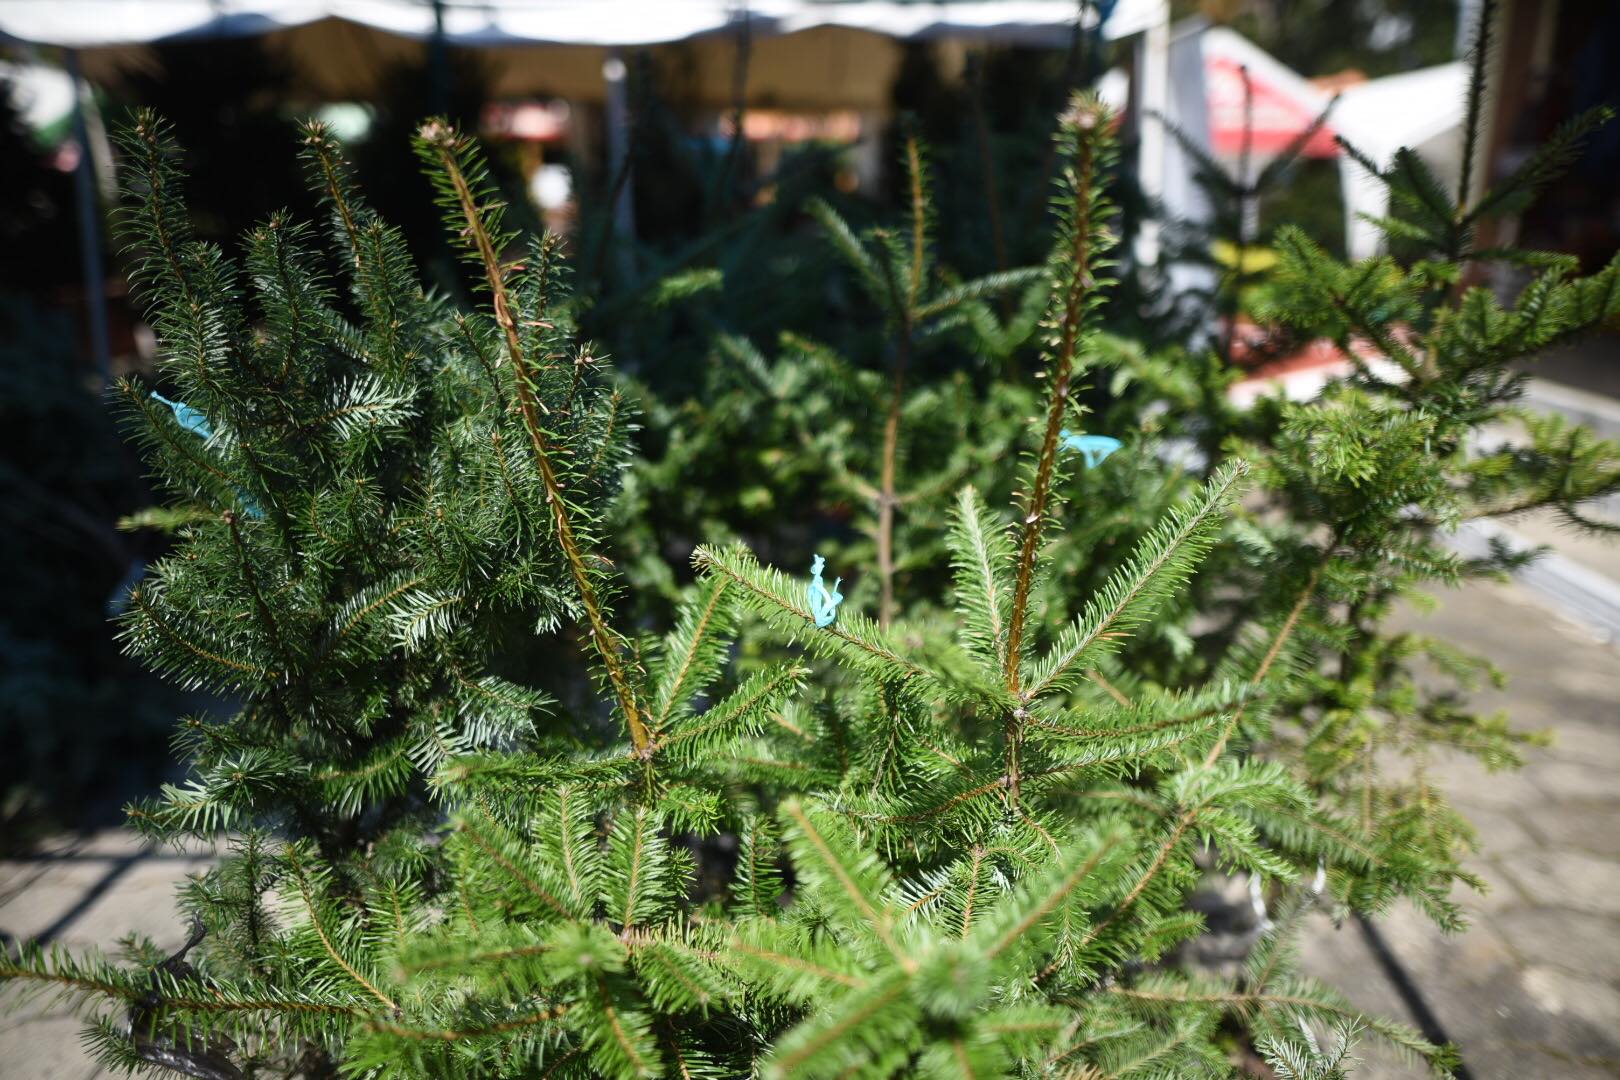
(1410, 109)
(804, 54)
(1284, 102)
(1378, 116)
(88, 24)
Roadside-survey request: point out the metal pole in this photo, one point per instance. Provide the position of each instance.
(614, 74)
(1153, 102)
(84, 184)
(438, 65)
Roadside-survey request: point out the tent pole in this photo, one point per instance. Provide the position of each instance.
(84, 184)
(614, 73)
(439, 65)
(1153, 71)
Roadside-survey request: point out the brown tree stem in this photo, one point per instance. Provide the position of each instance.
(1062, 372)
(887, 500)
(1070, 326)
(608, 644)
(1284, 632)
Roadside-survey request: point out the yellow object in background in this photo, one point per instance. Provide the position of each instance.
(1252, 260)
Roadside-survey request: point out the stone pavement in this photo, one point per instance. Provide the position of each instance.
(82, 894)
(1531, 990)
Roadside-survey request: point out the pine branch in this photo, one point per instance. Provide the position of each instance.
(1550, 160)
(981, 555)
(1313, 1004)
(731, 717)
(1278, 641)
(1085, 129)
(904, 316)
(326, 942)
(825, 1045)
(450, 151)
(1479, 55)
(692, 651)
(515, 872)
(1041, 900)
(330, 170)
(466, 1034)
(1163, 559)
(828, 865)
(852, 638)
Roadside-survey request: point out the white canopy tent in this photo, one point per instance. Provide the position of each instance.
(87, 23)
(1420, 109)
(804, 54)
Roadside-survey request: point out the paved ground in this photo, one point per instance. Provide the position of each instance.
(1597, 552)
(1591, 364)
(1531, 990)
(82, 894)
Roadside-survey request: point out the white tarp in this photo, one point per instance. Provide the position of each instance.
(86, 24)
(804, 54)
(1422, 110)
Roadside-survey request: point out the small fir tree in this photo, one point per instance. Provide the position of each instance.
(966, 847)
(962, 856)
(356, 501)
(1364, 486)
(368, 494)
(919, 305)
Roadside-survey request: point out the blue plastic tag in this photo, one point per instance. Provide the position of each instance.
(823, 604)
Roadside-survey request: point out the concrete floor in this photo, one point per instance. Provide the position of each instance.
(1532, 988)
(1591, 364)
(83, 894)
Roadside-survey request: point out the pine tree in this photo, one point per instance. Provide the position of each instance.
(368, 492)
(963, 854)
(785, 838)
(1364, 486)
(356, 497)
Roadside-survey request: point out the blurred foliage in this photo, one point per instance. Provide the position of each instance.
(1319, 37)
(229, 101)
(80, 722)
(36, 208)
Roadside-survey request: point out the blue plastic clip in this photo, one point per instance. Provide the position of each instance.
(823, 604)
(1095, 448)
(191, 419)
(194, 421)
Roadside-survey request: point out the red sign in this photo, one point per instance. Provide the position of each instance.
(1277, 116)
